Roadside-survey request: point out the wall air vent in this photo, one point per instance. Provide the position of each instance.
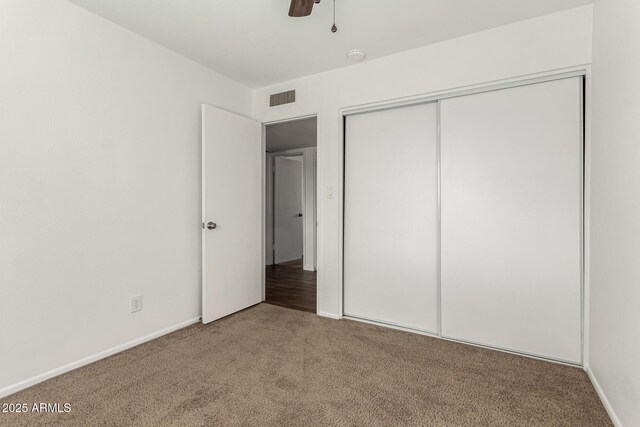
(282, 98)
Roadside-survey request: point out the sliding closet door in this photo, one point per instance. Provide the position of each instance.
(391, 217)
(511, 218)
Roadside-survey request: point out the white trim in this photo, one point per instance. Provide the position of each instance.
(392, 325)
(586, 231)
(93, 358)
(329, 315)
(310, 246)
(318, 208)
(474, 344)
(340, 190)
(577, 71)
(290, 119)
(202, 206)
(582, 209)
(439, 201)
(605, 402)
(265, 194)
(516, 353)
(315, 209)
(305, 214)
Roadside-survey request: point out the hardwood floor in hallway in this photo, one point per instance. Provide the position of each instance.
(288, 285)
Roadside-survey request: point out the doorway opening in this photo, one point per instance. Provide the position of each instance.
(291, 214)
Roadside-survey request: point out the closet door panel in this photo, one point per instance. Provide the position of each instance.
(391, 217)
(511, 218)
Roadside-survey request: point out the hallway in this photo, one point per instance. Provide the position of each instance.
(288, 285)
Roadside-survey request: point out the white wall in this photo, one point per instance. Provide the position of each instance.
(309, 209)
(615, 208)
(100, 176)
(546, 43)
(268, 241)
(99, 185)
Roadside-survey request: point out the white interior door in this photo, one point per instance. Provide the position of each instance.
(232, 170)
(511, 218)
(391, 217)
(288, 210)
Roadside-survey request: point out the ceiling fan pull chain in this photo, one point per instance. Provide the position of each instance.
(333, 27)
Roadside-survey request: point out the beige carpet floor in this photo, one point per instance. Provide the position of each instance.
(269, 365)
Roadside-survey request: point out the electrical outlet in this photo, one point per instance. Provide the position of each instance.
(136, 303)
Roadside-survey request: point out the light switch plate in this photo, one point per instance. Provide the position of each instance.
(331, 191)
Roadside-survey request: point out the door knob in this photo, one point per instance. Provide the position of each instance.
(212, 225)
(299, 214)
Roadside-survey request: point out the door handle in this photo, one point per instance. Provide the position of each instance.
(212, 225)
(299, 214)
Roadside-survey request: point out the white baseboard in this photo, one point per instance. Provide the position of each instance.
(329, 315)
(93, 358)
(614, 418)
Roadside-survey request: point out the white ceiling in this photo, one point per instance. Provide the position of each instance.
(254, 41)
(293, 134)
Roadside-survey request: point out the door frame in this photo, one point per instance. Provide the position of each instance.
(583, 71)
(296, 152)
(264, 198)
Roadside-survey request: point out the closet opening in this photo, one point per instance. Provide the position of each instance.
(463, 216)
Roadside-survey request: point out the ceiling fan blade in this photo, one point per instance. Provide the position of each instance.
(300, 8)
